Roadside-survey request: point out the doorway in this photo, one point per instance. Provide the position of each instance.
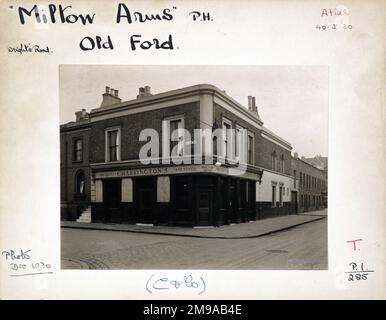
(204, 206)
(112, 200)
(294, 202)
(145, 197)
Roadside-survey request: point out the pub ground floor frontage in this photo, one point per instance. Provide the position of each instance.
(194, 200)
(188, 196)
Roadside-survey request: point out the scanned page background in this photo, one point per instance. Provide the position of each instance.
(246, 33)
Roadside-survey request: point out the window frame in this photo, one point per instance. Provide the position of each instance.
(75, 150)
(166, 140)
(273, 160)
(251, 135)
(107, 143)
(227, 141)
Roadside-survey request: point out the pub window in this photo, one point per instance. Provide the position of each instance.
(250, 147)
(80, 184)
(113, 148)
(273, 196)
(77, 150)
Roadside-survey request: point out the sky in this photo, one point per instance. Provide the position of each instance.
(292, 100)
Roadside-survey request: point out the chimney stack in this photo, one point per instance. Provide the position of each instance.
(250, 103)
(81, 115)
(144, 92)
(110, 97)
(252, 106)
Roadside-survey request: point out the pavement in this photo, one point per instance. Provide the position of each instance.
(252, 229)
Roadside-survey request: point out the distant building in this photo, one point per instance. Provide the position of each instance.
(103, 178)
(311, 186)
(318, 162)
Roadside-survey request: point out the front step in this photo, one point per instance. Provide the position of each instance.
(85, 217)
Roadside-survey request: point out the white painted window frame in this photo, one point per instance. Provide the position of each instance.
(229, 145)
(166, 134)
(251, 134)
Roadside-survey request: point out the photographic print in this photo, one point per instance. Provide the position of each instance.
(189, 150)
(187, 174)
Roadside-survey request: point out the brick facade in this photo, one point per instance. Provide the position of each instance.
(311, 184)
(126, 191)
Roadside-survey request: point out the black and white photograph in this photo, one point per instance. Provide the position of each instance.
(192, 151)
(194, 167)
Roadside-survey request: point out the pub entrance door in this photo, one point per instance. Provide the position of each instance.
(112, 200)
(204, 206)
(144, 199)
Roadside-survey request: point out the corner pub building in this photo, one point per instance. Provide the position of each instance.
(103, 179)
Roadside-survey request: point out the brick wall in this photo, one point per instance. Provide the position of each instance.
(132, 125)
(69, 168)
(263, 153)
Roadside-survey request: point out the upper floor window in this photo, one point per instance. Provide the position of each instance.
(113, 144)
(273, 161)
(176, 137)
(295, 179)
(250, 148)
(77, 150)
(173, 136)
(227, 126)
(282, 164)
(239, 143)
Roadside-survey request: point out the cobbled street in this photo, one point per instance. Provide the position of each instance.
(300, 248)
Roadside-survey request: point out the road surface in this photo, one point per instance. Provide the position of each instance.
(300, 248)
